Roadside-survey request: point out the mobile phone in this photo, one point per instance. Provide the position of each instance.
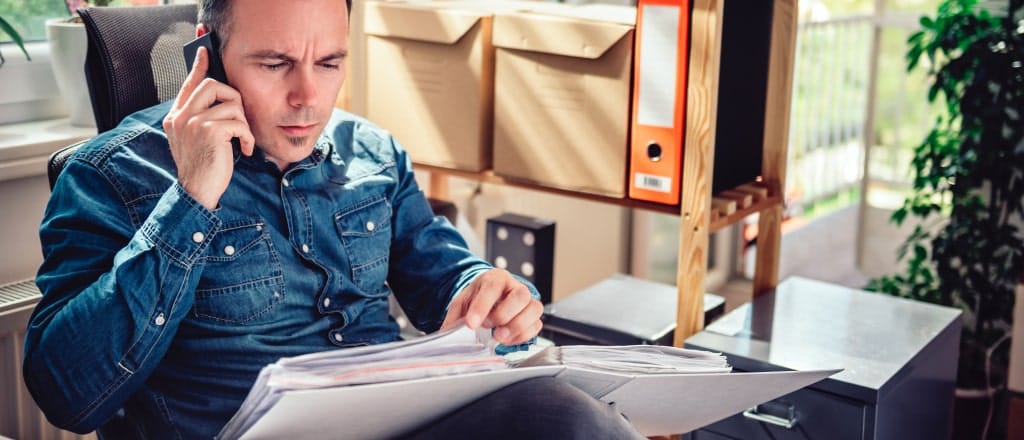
(215, 67)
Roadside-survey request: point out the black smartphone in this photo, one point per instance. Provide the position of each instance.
(215, 67)
(209, 40)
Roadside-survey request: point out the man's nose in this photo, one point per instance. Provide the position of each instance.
(303, 91)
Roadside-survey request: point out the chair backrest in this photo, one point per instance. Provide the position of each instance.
(135, 57)
(134, 61)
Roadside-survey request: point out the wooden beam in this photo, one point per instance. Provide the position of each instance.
(776, 139)
(742, 199)
(723, 205)
(439, 186)
(695, 207)
(757, 191)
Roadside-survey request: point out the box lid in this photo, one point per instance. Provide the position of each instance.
(637, 307)
(575, 31)
(442, 23)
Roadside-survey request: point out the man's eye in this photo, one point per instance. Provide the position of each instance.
(275, 66)
(331, 66)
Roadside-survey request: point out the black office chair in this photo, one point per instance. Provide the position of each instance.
(134, 61)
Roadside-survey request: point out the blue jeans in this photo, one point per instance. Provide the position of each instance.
(535, 409)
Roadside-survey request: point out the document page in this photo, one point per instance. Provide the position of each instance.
(456, 351)
(645, 359)
(392, 389)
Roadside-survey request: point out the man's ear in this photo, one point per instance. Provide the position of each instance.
(201, 30)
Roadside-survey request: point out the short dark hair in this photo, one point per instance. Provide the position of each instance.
(216, 13)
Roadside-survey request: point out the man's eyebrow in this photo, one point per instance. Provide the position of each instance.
(273, 54)
(339, 55)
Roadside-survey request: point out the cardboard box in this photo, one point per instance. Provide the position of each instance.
(562, 96)
(430, 70)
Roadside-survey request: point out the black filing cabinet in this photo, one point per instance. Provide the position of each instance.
(898, 357)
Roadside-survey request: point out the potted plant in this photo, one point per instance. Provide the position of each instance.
(68, 45)
(15, 37)
(967, 249)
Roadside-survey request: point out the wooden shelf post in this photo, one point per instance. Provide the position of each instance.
(776, 142)
(698, 158)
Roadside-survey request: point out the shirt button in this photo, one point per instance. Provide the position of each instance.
(285, 183)
(198, 237)
(229, 250)
(277, 294)
(370, 226)
(305, 248)
(160, 320)
(327, 302)
(337, 337)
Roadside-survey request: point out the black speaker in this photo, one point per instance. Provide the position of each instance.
(524, 246)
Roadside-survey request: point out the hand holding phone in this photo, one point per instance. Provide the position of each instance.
(206, 127)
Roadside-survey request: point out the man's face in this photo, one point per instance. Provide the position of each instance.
(286, 58)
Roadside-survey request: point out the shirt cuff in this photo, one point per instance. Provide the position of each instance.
(180, 227)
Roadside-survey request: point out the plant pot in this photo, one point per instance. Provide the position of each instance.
(68, 44)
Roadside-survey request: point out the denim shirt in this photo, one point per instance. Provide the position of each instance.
(161, 313)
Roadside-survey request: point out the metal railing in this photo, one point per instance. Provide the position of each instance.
(831, 79)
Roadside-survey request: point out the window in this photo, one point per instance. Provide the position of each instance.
(28, 90)
(29, 17)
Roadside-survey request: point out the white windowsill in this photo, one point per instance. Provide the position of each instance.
(25, 147)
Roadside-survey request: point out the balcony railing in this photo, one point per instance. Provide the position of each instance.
(830, 99)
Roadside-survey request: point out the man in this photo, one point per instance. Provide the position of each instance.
(176, 266)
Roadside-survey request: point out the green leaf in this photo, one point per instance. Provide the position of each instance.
(15, 37)
(927, 22)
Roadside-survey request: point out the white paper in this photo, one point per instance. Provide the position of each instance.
(392, 389)
(656, 404)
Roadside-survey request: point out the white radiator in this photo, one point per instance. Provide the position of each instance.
(19, 416)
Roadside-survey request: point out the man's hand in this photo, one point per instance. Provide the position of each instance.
(497, 300)
(205, 116)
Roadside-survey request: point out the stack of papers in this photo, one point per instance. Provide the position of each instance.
(456, 351)
(643, 359)
(393, 389)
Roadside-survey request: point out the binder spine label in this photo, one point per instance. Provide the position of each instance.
(652, 182)
(658, 66)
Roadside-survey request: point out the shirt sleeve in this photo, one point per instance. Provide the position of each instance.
(430, 261)
(113, 294)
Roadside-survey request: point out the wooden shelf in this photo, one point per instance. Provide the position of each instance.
(747, 199)
(700, 212)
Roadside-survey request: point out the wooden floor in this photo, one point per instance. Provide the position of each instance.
(822, 249)
(1015, 418)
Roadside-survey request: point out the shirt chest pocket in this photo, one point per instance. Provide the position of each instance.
(242, 278)
(366, 236)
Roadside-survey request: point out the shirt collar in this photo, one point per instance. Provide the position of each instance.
(322, 150)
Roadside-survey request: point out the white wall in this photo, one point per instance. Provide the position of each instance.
(591, 238)
(21, 209)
